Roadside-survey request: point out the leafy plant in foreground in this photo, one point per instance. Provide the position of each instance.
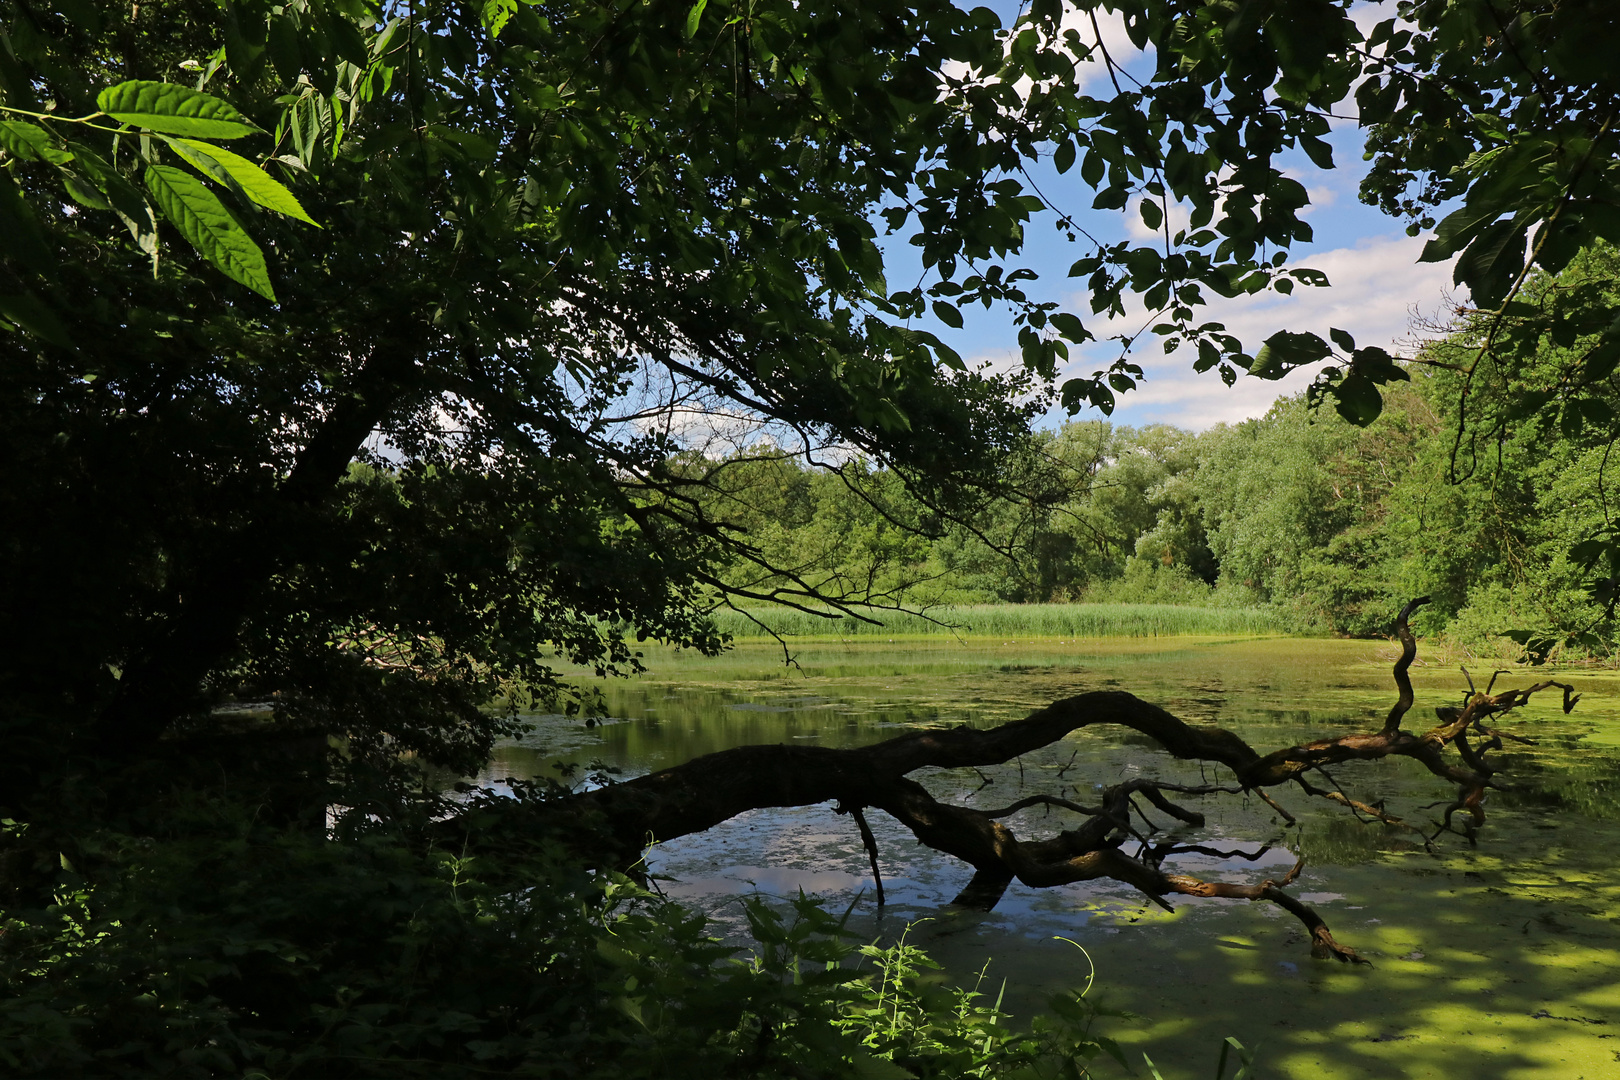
(243, 951)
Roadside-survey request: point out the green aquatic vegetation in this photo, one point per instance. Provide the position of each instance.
(1245, 1062)
(1079, 621)
(1488, 960)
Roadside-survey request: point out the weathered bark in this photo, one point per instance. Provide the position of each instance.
(708, 790)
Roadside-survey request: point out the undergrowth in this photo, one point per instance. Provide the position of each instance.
(223, 947)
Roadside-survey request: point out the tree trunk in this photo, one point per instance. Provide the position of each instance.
(212, 600)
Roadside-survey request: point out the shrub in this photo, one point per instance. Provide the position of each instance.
(243, 950)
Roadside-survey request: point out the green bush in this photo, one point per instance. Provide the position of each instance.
(1148, 582)
(235, 949)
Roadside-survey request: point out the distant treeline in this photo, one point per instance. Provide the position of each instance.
(1328, 527)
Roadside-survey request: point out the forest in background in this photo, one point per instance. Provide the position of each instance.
(1330, 525)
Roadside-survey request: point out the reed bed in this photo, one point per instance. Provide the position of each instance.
(1011, 621)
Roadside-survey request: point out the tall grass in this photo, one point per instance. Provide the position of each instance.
(1014, 621)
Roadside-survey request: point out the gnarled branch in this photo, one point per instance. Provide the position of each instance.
(708, 790)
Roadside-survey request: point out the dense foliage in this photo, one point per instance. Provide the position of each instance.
(383, 408)
(1329, 523)
(242, 951)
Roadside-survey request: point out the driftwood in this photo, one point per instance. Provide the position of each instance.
(706, 791)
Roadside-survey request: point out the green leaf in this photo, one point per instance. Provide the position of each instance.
(1597, 411)
(285, 53)
(497, 13)
(1586, 553)
(693, 17)
(948, 314)
(205, 223)
(1063, 159)
(1570, 421)
(867, 1067)
(1092, 167)
(126, 201)
(174, 110)
(83, 193)
(28, 312)
(31, 143)
(1320, 151)
(245, 177)
(82, 13)
(244, 40)
(1152, 215)
(1358, 399)
(1490, 126)
(1070, 327)
(1456, 230)
(474, 146)
(1342, 339)
(20, 235)
(1602, 360)
(1286, 350)
(347, 41)
(1491, 263)
(1377, 365)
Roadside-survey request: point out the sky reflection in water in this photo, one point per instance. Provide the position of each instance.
(1495, 961)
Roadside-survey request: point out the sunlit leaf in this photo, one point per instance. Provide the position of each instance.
(205, 223)
(247, 178)
(694, 16)
(496, 14)
(31, 143)
(174, 110)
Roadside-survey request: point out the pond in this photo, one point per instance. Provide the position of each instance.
(1499, 960)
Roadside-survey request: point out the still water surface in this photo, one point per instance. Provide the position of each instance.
(1495, 961)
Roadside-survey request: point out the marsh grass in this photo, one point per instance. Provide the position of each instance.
(1070, 621)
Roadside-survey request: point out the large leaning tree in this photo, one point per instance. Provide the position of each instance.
(355, 351)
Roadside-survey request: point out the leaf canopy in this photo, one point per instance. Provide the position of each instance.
(562, 243)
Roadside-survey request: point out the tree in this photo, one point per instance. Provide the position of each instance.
(616, 820)
(386, 452)
(518, 242)
(514, 243)
(1503, 108)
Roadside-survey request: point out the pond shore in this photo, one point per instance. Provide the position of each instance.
(1494, 961)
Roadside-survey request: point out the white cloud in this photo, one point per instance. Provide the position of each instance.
(1115, 41)
(1368, 15)
(1179, 216)
(1321, 198)
(1377, 286)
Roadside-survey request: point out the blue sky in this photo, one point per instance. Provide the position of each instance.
(1378, 289)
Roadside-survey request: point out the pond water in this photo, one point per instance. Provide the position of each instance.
(1500, 960)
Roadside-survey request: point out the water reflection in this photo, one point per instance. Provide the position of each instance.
(1504, 938)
